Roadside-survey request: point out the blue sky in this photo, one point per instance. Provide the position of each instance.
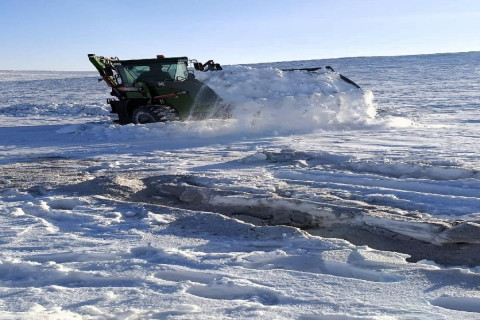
(58, 34)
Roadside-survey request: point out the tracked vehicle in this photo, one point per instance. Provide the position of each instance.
(158, 90)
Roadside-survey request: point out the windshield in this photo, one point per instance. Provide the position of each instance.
(153, 71)
(182, 72)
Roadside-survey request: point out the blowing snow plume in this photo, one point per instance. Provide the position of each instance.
(299, 100)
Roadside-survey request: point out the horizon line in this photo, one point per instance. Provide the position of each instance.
(266, 62)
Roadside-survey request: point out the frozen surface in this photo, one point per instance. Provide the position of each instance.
(245, 217)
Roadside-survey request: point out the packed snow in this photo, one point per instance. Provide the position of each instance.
(316, 200)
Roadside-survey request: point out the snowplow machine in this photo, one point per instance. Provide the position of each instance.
(159, 89)
(165, 89)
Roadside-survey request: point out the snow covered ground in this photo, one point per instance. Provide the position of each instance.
(315, 201)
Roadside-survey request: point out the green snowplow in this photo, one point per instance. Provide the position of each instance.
(158, 90)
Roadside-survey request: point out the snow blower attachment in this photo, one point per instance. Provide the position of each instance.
(327, 68)
(158, 90)
(208, 66)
